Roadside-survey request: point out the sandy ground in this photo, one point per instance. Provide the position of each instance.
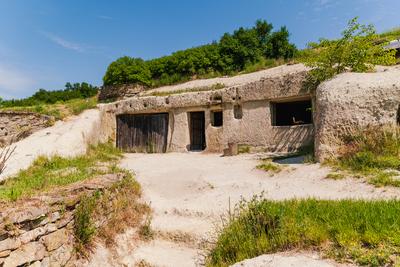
(65, 138)
(188, 193)
(234, 80)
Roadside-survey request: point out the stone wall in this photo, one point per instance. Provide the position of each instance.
(18, 125)
(352, 101)
(39, 231)
(118, 92)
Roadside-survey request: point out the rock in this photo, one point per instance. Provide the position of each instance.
(62, 255)
(30, 252)
(55, 239)
(45, 262)
(37, 232)
(5, 253)
(36, 264)
(67, 218)
(10, 244)
(31, 214)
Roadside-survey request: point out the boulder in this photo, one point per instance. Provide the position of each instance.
(55, 239)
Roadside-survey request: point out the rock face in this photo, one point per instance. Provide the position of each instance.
(117, 92)
(18, 125)
(351, 101)
(39, 231)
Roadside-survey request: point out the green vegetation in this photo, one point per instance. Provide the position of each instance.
(243, 149)
(186, 90)
(46, 173)
(356, 51)
(373, 153)
(42, 97)
(269, 166)
(60, 104)
(366, 232)
(84, 227)
(59, 110)
(335, 176)
(244, 50)
(121, 206)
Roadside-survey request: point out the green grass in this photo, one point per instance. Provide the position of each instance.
(373, 153)
(269, 166)
(365, 232)
(188, 90)
(46, 173)
(335, 176)
(59, 110)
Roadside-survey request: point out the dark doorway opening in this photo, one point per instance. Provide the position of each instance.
(197, 131)
(291, 113)
(142, 132)
(216, 118)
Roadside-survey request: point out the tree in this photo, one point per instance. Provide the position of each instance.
(128, 70)
(355, 51)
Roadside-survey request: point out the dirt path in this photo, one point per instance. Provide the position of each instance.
(190, 191)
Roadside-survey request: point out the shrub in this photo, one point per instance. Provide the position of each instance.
(356, 51)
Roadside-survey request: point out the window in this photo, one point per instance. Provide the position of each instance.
(291, 113)
(216, 118)
(398, 116)
(237, 112)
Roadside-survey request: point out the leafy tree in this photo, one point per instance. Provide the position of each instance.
(128, 70)
(355, 51)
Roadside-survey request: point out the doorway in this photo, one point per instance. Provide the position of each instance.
(197, 131)
(142, 132)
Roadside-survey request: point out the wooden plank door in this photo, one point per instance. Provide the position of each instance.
(197, 131)
(142, 132)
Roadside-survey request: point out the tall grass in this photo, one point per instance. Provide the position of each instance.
(366, 232)
(373, 152)
(48, 172)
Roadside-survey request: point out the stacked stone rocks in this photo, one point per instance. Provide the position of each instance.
(39, 231)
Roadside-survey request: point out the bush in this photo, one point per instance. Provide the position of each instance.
(366, 232)
(234, 52)
(356, 51)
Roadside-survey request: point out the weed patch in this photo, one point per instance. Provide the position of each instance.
(268, 166)
(373, 153)
(49, 172)
(365, 232)
(113, 211)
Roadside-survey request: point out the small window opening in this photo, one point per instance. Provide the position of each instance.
(237, 112)
(216, 118)
(398, 116)
(291, 113)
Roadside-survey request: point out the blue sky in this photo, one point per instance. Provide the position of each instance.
(46, 43)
